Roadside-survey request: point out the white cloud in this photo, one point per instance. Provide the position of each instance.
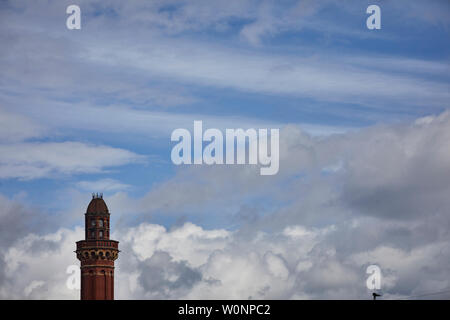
(397, 171)
(15, 127)
(36, 160)
(276, 266)
(103, 185)
(191, 263)
(340, 78)
(385, 202)
(188, 242)
(35, 268)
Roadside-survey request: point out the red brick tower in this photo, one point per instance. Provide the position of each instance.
(97, 253)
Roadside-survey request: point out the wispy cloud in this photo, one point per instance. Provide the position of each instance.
(103, 185)
(17, 127)
(320, 78)
(36, 160)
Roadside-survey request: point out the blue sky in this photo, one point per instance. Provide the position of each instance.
(410, 47)
(92, 110)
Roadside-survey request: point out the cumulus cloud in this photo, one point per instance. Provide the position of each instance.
(268, 266)
(397, 172)
(35, 267)
(16, 221)
(188, 261)
(339, 202)
(189, 242)
(386, 196)
(161, 277)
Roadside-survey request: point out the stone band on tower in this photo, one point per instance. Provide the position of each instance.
(97, 253)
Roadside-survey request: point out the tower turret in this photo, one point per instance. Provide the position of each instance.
(97, 253)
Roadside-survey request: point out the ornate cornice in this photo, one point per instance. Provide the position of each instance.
(85, 254)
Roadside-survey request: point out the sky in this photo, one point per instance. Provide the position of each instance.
(364, 126)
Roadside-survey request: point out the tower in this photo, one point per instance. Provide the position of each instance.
(97, 253)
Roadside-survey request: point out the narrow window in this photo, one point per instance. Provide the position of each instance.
(100, 223)
(100, 234)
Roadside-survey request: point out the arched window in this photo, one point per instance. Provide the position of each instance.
(100, 234)
(93, 222)
(100, 223)
(92, 234)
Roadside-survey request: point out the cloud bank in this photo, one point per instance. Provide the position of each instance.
(375, 196)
